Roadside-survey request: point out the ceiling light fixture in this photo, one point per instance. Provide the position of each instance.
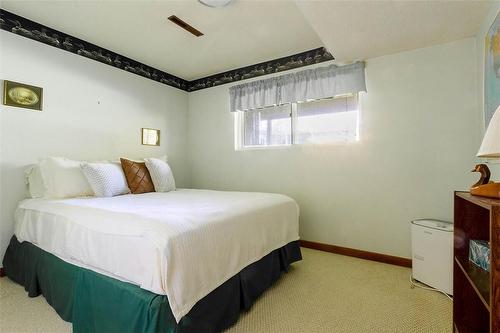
(215, 3)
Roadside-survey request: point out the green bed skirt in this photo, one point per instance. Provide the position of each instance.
(96, 303)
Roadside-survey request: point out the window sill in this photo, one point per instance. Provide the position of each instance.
(301, 145)
(264, 147)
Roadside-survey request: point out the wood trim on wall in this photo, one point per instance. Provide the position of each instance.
(346, 251)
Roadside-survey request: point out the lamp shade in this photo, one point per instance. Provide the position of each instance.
(491, 141)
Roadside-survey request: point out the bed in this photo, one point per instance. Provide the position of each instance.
(186, 260)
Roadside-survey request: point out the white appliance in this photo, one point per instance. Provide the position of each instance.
(432, 253)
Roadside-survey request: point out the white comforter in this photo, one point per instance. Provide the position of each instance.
(182, 244)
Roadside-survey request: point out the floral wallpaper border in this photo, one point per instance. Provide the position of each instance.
(268, 67)
(43, 34)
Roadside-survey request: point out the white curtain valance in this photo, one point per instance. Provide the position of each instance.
(321, 82)
(254, 95)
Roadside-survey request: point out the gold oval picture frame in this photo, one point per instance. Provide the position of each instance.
(22, 95)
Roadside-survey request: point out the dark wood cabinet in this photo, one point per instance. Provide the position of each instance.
(476, 292)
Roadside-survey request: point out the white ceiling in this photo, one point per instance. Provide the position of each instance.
(248, 32)
(243, 33)
(358, 30)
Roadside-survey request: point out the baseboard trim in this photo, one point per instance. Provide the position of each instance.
(346, 251)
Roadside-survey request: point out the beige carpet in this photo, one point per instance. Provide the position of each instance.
(323, 293)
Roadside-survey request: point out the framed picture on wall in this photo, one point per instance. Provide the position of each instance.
(22, 95)
(492, 70)
(150, 136)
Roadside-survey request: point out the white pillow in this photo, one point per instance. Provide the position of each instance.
(106, 179)
(36, 187)
(63, 178)
(161, 174)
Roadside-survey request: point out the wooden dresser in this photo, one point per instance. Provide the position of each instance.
(476, 292)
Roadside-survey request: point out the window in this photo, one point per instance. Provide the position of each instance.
(268, 127)
(313, 122)
(327, 120)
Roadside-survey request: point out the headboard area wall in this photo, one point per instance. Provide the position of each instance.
(90, 111)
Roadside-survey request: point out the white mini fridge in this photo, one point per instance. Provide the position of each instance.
(432, 253)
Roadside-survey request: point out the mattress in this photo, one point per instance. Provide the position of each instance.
(183, 244)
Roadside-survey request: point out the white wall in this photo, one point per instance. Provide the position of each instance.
(90, 111)
(485, 26)
(420, 130)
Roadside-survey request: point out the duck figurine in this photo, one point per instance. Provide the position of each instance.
(484, 187)
(485, 174)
